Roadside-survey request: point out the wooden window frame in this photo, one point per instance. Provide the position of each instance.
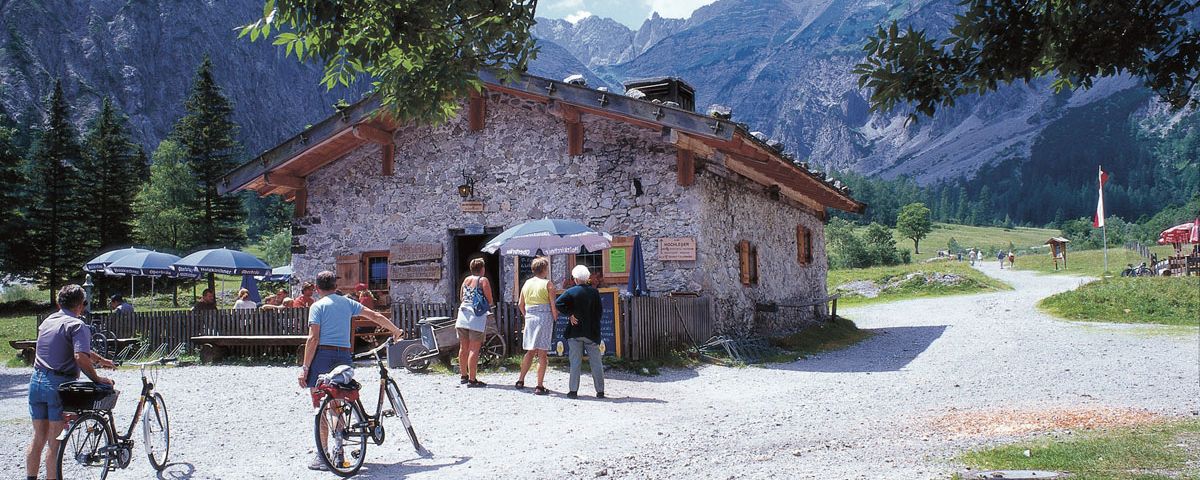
(747, 263)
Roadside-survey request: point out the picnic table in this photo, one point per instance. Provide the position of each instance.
(28, 347)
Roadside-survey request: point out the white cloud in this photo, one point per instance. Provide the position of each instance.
(675, 8)
(577, 16)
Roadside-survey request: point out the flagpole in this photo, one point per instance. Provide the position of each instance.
(1104, 236)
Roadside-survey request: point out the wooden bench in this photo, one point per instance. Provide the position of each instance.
(213, 348)
(28, 347)
(815, 303)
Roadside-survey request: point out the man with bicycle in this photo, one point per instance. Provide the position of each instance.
(330, 337)
(63, 351)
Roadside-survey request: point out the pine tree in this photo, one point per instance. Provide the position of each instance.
(982, 213)
(113, 174)
(962, 211)
(58, 245)
(206, 134)
(12, 185)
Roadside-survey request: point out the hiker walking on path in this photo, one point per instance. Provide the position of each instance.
(1000, 258)
(1012, 259)
(582, 304)
(64, 349)
(329, 338)
(540, 313)
(476, 292)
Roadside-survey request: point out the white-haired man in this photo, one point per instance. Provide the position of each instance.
(582, 304)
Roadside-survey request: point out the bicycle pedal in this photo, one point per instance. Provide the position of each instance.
(389, 413)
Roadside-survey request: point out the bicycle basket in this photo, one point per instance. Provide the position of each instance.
(79, 396)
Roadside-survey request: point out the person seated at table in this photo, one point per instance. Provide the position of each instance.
(207, 301)
(118, 305)
(305, 299)
(364, 295)
(287, 302)
(276, 299)
(243, 301)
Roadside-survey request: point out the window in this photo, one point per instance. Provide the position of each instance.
(747, 263)
(804, 253)
(377, 273)
(593, 260)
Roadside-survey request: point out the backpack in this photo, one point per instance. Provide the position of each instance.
(478, 301)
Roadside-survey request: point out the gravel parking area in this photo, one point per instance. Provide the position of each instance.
(875, 410)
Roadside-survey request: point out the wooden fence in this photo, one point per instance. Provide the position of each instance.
(651, 327)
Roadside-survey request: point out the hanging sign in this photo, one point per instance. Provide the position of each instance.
(413, 252)
(677, 249)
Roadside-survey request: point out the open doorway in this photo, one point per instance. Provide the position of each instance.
(463, 249)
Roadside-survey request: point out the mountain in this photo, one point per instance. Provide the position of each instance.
(784, 66)
(144, 55)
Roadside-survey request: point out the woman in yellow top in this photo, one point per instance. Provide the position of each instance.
(537, 304)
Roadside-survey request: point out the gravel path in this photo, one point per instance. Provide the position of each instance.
(864, 412)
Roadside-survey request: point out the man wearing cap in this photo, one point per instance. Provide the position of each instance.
(64, 350)
(330, 337)
(582, 304)
(118, 305)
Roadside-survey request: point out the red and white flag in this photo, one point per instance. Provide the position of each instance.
(1099, 220)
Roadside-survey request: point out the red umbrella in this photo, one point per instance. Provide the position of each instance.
(1182, 233)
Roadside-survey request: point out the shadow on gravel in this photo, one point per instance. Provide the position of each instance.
(888, 350)
(13, 385)
(177, 471)
(408, 467)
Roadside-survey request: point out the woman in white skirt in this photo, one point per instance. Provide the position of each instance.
(470, 326)
(537, 304)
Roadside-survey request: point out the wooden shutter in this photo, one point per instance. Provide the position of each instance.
(349, 272)
(743, 250)
(803, 245)
(753, 265)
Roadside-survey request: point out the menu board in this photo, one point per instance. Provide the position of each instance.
(610, 327)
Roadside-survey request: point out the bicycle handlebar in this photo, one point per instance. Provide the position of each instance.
(374, 351)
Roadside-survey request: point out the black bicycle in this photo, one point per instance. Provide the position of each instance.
(349, 426)
(104, 341)
(91, 446)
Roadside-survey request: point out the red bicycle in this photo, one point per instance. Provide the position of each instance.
(349, 426)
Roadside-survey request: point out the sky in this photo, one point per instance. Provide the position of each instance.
(629, 12)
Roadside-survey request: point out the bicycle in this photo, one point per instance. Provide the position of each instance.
(91, 446)
(104, 341)
(342, 410)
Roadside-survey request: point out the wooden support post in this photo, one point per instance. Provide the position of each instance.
(476, 112)
(388, 152)
(574, 130)
(685, 167)
(300, 203)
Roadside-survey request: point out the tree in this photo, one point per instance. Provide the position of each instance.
(164, 208)
(953, 247)
(422, 56)
(881, 245)
(56, 243)
(277, 248)
(913, 223)
(112, 178)
(1075, 41)
(12, 186)
(206, 135)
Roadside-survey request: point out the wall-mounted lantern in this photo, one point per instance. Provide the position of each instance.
(467, 189)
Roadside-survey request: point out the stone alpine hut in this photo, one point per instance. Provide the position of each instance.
(404, 207)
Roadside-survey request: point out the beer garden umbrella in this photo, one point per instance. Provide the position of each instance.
(223, 261)
(637, 270)
(148, 264)
(1182, 233)
(547, 237)
(102, 261)
(278, 274)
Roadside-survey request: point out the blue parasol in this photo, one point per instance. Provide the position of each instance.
(550, 237)
(102, 261)
(145, 264)
(223, 261)
(278, 274)
(637, 270)
(248, 283)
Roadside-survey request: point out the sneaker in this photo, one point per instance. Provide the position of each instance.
(572, 395)
(318, 464)
(599, 394)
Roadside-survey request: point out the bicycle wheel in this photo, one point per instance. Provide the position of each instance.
(156, 431)
(401, 409)
(410, 355)
(346, 446)
(100, 344)
(85, 451)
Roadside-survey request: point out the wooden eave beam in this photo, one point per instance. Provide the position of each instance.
(277, 179)
(745, 169)
(372, 134)
(476, 112)
(571, 118)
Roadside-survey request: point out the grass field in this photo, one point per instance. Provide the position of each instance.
(977, 237)
(975, 281)
(1158, 451)
(1160, 300)
(1083, 262)
(15, 327)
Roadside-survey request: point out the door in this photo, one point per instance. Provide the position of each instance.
(465, 248)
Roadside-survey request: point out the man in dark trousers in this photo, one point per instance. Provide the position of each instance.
(582, 304)
(64, 350)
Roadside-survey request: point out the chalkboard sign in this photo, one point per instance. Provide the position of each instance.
(610, 327)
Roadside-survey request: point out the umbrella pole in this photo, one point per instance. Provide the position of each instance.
(131, 285)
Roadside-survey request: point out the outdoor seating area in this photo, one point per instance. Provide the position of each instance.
(1184, 261)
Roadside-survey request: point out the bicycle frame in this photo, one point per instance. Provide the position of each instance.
(123, 440)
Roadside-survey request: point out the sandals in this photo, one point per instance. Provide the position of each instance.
(475, 384)
(520, 384)
(463, 380)
(540, 390)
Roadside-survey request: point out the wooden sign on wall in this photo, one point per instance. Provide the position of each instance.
(414, 252)
(681, 249)
(424, 271)
(471, 206)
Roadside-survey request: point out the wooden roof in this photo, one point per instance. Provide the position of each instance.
(281, 170)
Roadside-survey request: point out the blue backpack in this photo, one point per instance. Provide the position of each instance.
(479, 302)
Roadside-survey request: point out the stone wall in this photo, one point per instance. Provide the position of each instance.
(624, 184)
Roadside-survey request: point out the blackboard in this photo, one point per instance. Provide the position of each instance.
(610, 328)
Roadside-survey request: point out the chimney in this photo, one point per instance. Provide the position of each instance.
(666, 90)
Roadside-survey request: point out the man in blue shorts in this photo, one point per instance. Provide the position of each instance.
(64, 350)
(330, 338)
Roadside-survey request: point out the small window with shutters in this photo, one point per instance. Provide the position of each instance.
(747, 262)
(804, 253)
